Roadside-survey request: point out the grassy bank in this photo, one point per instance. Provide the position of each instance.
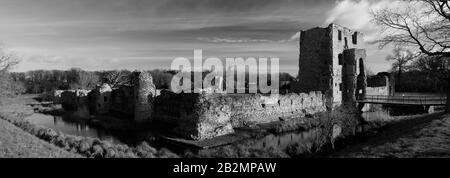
(407, 137)
(14, 142)
(12, 114)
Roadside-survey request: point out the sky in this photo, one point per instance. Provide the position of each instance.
(149, 34)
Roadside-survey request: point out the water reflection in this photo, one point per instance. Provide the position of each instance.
(376, 116)
(68, 125)
(279, 142)
(84, 127)
(283, 141)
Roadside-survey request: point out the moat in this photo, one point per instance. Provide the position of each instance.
(68, 124)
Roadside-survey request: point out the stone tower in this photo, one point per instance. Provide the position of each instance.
(353, 76)
(144, 93)
(321, 60)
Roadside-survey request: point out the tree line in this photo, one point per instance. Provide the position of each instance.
(42, 81)
(418, 72)
(8, 86)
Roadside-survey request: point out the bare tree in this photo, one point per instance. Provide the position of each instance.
(7, 60)
(435, 68)
(432, 65)
(424, 24)
(86, 80)
(116, 78)
(401, 58)
(7, 85)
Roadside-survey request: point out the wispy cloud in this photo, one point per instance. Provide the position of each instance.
(356, 14)
(148, 34)
(232, 40)
(295, 37)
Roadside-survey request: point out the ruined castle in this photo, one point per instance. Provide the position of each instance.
(133, 100)
(331, 74)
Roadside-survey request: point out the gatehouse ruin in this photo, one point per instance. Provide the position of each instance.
(331, 60)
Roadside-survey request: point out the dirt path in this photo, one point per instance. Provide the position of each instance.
(424, 136)
(14, 142)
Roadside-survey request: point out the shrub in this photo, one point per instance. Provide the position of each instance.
(145, 151)
(96, 151)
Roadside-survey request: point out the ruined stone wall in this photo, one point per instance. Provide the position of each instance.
(378, 90)
(377, 85)
(122, 100)
(377, 81)
(74, 99)
(256, 109)
(135, 100)
(203, 116)
(380, 84)
(197, 116)
(92, 102)
(100, 99)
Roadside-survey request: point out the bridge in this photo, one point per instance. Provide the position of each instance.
(426, 100)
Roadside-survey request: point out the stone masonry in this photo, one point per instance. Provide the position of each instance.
(204, 116)
(321, 60)
(135, 100)
(353, 76)
(144, 92)
(100, 99)
(380, 84)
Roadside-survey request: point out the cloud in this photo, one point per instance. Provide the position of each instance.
(295, 37)
(236, 7)
(100, 34)
(45, 59)
(232, 40)
(356, 14)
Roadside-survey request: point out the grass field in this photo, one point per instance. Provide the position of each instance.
(421, 136)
